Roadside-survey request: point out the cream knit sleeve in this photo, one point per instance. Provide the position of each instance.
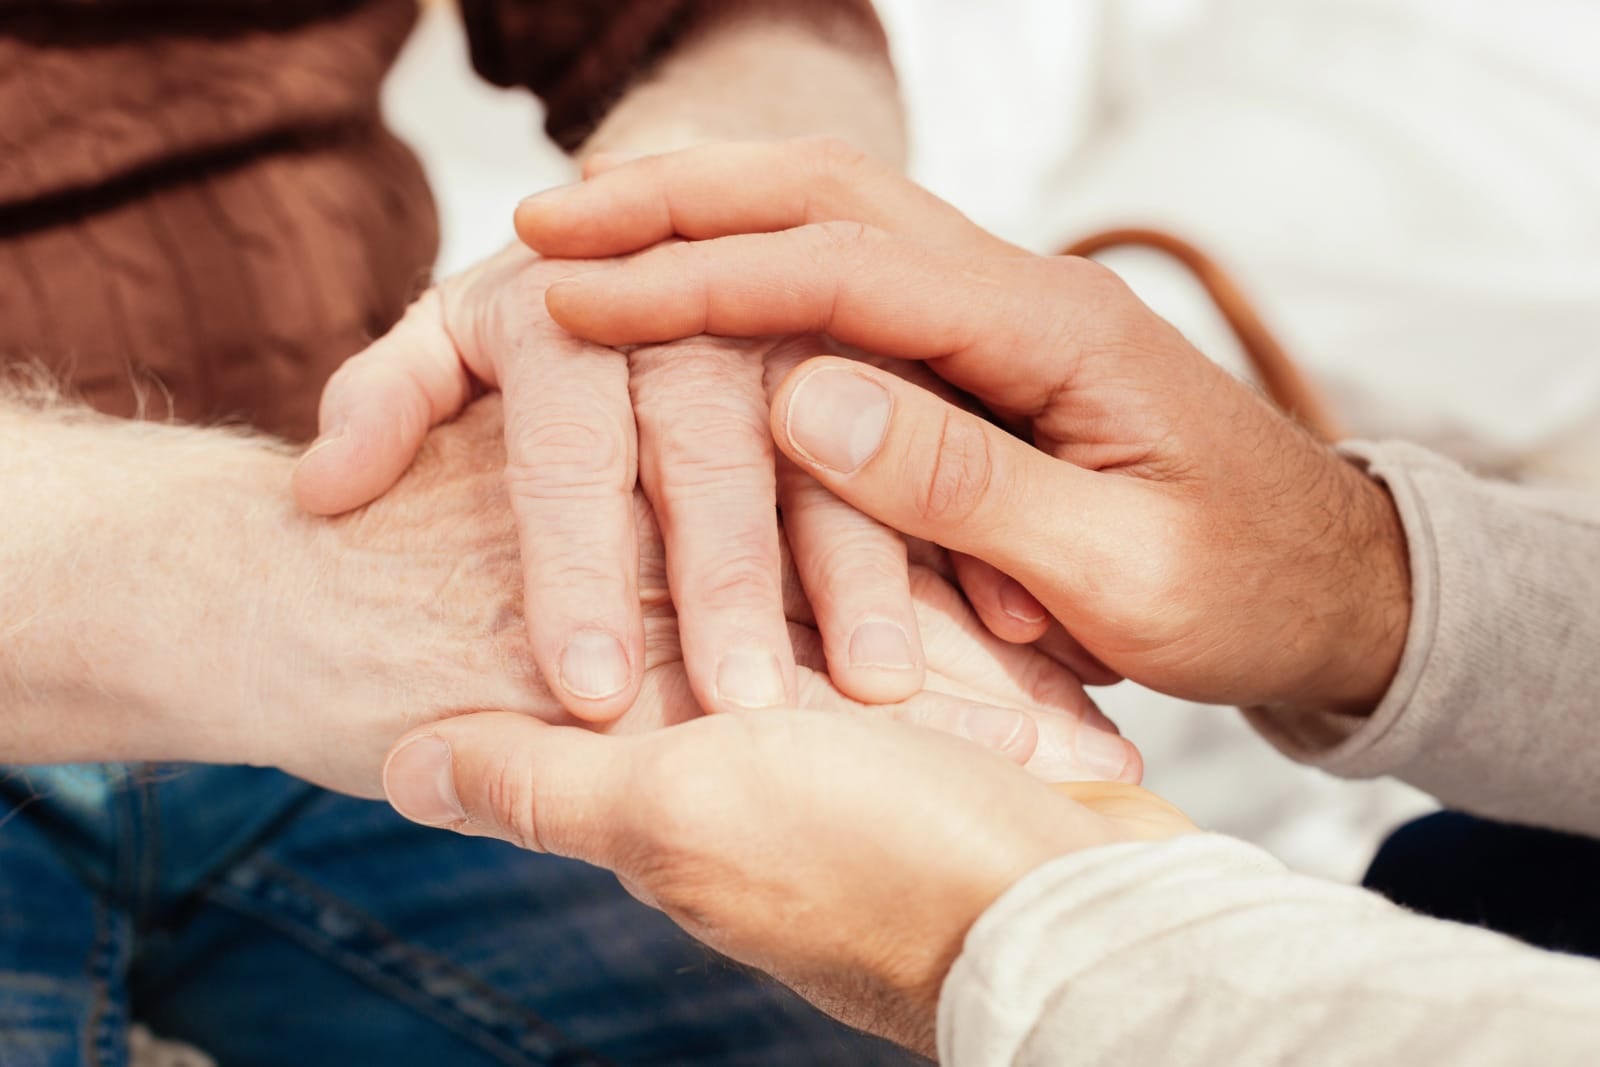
(1205, 951)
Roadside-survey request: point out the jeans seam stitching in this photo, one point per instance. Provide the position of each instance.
(401, 983)
(100, 1044)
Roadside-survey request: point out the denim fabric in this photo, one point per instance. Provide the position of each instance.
(268, 922)
(1539, 886)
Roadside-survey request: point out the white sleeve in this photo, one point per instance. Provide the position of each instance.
(1204, 950)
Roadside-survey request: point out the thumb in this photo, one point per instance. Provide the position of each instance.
(376, 410)
(929, 469)
(512, 777)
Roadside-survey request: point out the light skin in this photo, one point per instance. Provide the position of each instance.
(1182, 531)
(166, 601)
(686, 421)
(845, 855)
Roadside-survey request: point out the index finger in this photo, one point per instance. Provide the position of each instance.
(1005, 329)
(732, 188)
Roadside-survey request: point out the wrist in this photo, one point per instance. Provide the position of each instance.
(1083, 817)
(132, 578)
(232, 542)
(1365, 637)
(403, 612)
(750, 78)
(375, 637)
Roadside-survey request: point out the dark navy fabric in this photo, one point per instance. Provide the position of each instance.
(268, 922)
(1539, 886)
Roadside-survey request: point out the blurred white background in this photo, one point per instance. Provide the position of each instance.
(1411, 188)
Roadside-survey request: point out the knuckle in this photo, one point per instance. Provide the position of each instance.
(858, 564)
(506, 322)
(962, 474)
(691, 475)
(1093, 285)
(746, 573)
(571, 584)
(723, 453)
(678, 381)
(508, 793)
(684, 390)
(566, 452)
(523, 295)
(843, 234)
(835, 159)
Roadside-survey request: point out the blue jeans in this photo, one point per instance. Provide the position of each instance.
(1539, 886)
(269, 922)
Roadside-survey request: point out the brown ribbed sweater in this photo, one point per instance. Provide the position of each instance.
(198, 198)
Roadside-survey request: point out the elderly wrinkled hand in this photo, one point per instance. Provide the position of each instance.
(585, 424)
(436, 559)
(1185, 533)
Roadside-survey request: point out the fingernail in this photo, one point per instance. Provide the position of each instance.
(994, 728)
(333, 436)
(552, 195)
(882, 644)
(594, 666)
(1069, 751)
(750, 679)
(837, 419)
(1102, 754)
(418, 782)
(1018, 603)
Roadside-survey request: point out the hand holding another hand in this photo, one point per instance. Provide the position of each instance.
(585, 424)
(1184, 532)
(414, 615)
(846, 855)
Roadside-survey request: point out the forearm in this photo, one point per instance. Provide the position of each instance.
(1493, 707)
(161, 598)
(142, 570)
(756, 76)
(1204, 950)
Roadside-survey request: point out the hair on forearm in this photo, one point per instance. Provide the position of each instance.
(28, 386)
(30, 391)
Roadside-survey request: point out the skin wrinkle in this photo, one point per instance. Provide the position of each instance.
(1133, 417)
(458, 388)
(569, 449)
(962, 470)
(390, 617)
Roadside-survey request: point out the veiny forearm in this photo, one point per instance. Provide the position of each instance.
(759, 76)
(140, 568)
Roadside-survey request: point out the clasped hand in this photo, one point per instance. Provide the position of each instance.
(431, 604)
(1178, 530)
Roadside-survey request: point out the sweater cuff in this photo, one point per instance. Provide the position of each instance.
(1490, 708)
(1067, 918)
